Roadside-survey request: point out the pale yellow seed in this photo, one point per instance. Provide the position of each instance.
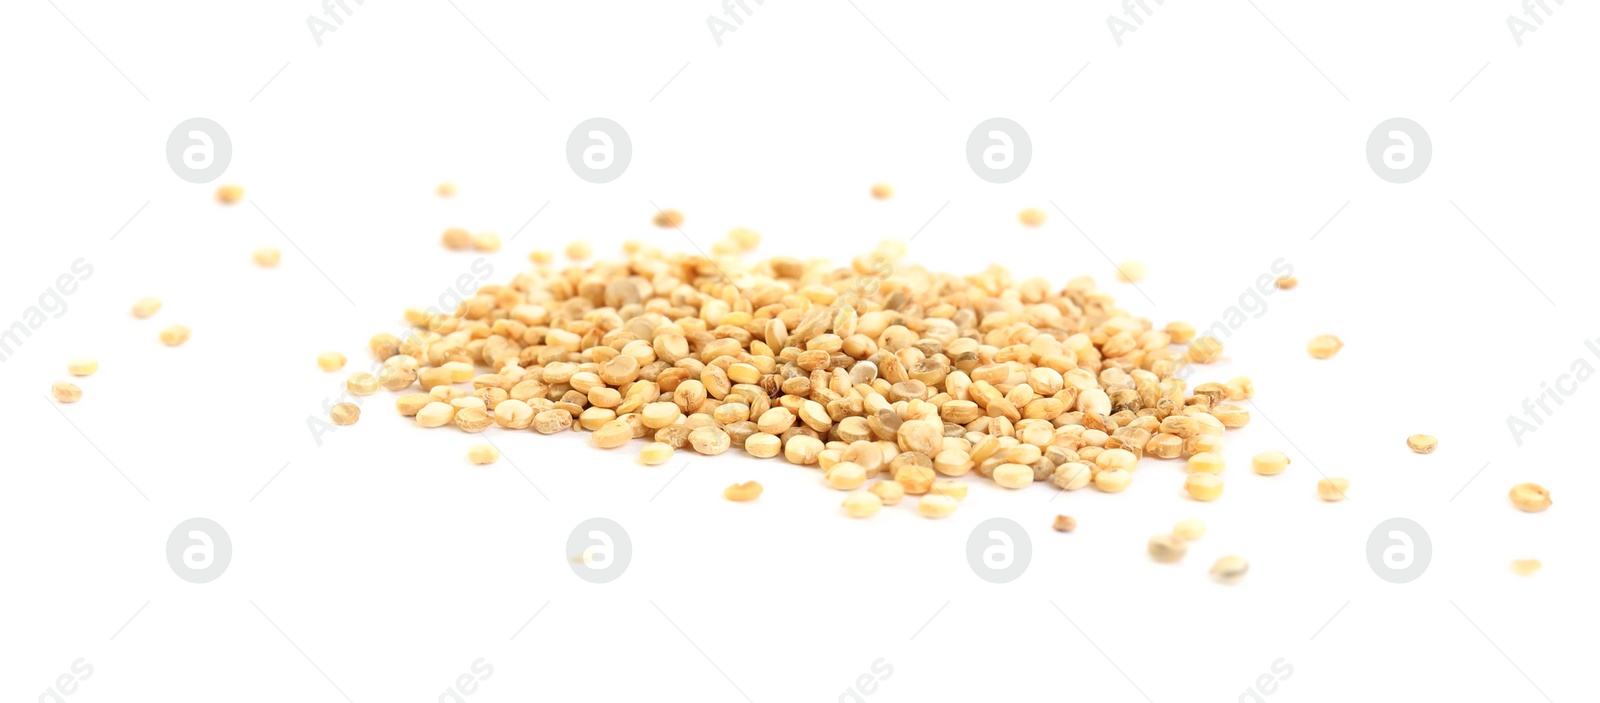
(82, 366)
(330, 361)
(1204, 487)
(1167, 548)
(1031, 217)
(747, 239)
(667, 219)
(1530, 497)
(860, 504)
(486, 241)
(1180, 332)
(1190, 529)
(1206, 463)
(1131, 271)
(1117, 459)
(954, 489)
(1230, 569)
(229, 194)
(1332, 489)
(436, 414)
(1287, 282)
(174, 335)
(1240, 388)
(446, 190)
(1324, 346)
(410, 403)
(1013, 475)
(345, 413)
(578, 251)
(763, 445)
(710, 441)
(1270, 463)
(846, 476)
(146, 307)
(1422, 444)
(612, 434)
(1525, 567)
(482, 454)
(742, 492)
(882, 191)
(513, 414)
(66, 392)
(267, 257)
(1205, 350)
(1064, 523)
(361, 383)
(457, 238)
(1073, 475)
(1113, 480)
(934, 505)
(889, 492)
(655, 453)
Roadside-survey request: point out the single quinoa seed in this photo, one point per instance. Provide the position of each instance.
(1270, 463)
(1324, 346)
(882, 191)
(1190, 529)
(457, 238)
(345, 413)
(1230, 569)
(82, 366)
(860, 504)
(330, 361)
(446, 190)
(1031, 217)
(66, 392)
(1167, 548)
(146, 307)
(483, 454)
(1525, 567)
(230, 194)
(668, 219)
(267, 257)
(1530, 497)
(578, 251)
(742, 492)
(1422, 444)
(174, 335)
(1203, 487)
(1286, 282)
(1131, 271)
(934, 505)
(1064, 523)
(1332, 489)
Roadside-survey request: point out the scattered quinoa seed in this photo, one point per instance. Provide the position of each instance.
(1064, 523)
(1287, 282)
(1167, 548)
(66, 392)
(1525, 567)
(483, 454)
(1530, 497)
(457, 238)
(267, 257)
(860, 504)
(486, 241)
(668, 219)
(146, 307)
(1332, 489)
(446, 190)
(742, 492)
(230, 194)
(1203, 487)
(1324, 346)
(1230, 569)
(1131, 271)
(1190, 529)
(882, 191)
(330, 361)
(1031, 217)
(1270, 463)
(1422, 444)
(361, 383)
(345, 413)
(82, 366)
(174, 335)
(655, 453)
(934, 505)
(578, 251)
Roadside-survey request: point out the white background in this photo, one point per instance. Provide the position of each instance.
(379, 565)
